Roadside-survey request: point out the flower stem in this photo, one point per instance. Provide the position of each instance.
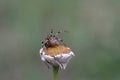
(55, 72)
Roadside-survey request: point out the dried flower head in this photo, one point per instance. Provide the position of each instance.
(55, 53)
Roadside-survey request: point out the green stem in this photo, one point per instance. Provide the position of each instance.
(55, 72)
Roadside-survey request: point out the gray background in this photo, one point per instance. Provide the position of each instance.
(93, 35)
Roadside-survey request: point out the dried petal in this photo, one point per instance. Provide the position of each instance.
(59, 55)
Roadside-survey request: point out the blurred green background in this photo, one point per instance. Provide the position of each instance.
(93, 35)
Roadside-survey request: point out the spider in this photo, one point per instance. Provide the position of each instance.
(52, 40)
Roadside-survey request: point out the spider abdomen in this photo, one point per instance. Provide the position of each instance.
(51, 42)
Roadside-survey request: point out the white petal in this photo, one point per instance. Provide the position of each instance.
(64, 65)
(41, 51)
(41, 54)
(62, 59)
(42, 58)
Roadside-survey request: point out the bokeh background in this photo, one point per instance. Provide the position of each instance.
(93, 34)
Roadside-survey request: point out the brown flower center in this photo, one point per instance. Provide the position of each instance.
(53, 51)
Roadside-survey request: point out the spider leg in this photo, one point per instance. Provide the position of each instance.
(58, 33)
(42, 43)
(61, 41)
(51, 30)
